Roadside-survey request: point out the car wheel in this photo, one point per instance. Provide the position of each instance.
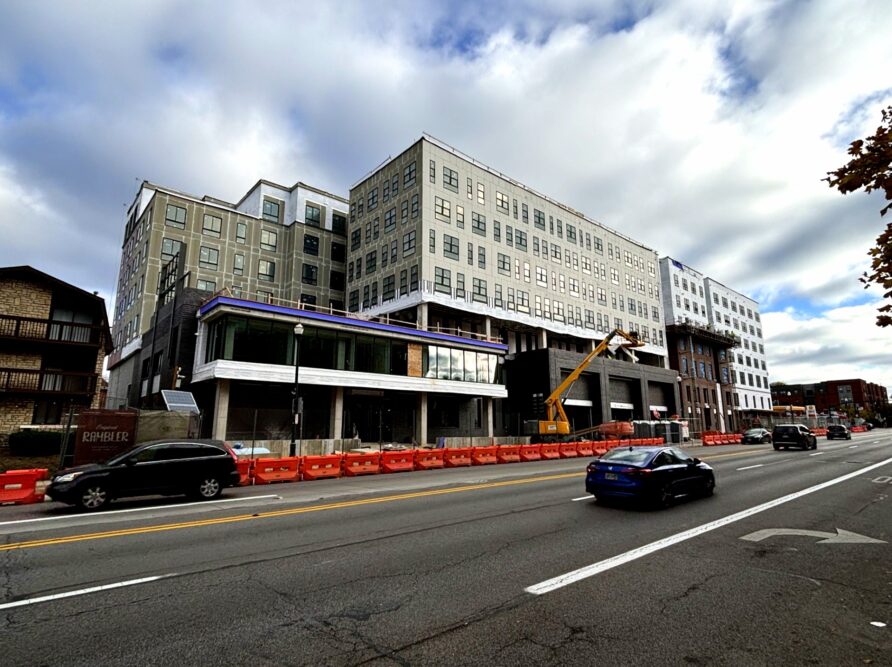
(93, 497)
(665, 498)
(208, 488)
(777, 448)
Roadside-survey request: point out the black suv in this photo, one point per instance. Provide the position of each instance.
(199, 468)
(793, 435)
(838, 431)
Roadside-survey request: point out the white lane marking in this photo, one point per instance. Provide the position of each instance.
(576, 500)
(621, 559)
(817, 453)
(758, 465)
(141, 509)
(852, 446)
(84, 591)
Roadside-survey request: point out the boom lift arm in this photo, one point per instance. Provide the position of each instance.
(557, 422)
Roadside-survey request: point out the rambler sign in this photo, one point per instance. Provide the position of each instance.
(103, 433)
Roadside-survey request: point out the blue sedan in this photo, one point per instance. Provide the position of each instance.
(656, 474)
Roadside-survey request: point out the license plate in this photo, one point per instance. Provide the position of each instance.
(610, 475)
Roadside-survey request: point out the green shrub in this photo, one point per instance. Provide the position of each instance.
(35, 443)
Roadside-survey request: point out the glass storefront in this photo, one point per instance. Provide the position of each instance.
(267, 342)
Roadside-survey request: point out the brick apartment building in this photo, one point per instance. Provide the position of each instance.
(833, 395)
(53, 340)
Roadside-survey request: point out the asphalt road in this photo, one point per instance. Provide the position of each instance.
(496, 565)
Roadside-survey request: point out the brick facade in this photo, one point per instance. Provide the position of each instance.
(25, 298)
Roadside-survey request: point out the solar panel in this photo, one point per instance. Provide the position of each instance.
(179, 401)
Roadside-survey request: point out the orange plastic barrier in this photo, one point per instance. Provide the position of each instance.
(19, 487)
(599, 451)
(269, 470)
(530, 453)
(482, 456)
(568, 450)
(550, 451)
(361, 464)
(584, 448)
(508, 454)
(245, 468)
(321, 467)
(457, 457)
(403, 461)
(429, 459)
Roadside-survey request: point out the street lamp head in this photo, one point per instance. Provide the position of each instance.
(298, 329)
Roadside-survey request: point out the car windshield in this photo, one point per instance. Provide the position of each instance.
(635, 456)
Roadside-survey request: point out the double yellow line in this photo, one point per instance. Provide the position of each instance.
(272, 515)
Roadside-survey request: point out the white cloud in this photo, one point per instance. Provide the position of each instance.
(701, 129)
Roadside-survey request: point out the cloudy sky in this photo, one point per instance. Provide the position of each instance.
(700, 128)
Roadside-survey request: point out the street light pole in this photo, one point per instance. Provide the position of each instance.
(295, 391)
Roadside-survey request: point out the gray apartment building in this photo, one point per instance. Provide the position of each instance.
(277, 244)
(441, 240)
(703, 314)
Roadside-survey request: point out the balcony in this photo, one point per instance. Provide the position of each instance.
(52, 331)
(56, 383)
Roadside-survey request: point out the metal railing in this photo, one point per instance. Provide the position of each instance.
(32, 328)
(28, 381)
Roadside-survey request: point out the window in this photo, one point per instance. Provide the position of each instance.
(478, 292)
(503, 264)
(208, 258)
(336, 280)
(355, 239)
(266, 270)
(415, 205)
(539, 218)
(442, 280)
(432, 172)
(388, 288)
(206, 285)
(309, 275)
(371, 262)
(525, 213)
(614, 276)
(354, 301)
(460, 285)
(338, 252)
(520, 240)
(409, 175)
(409, 243)
(509, 235)
(497, 230)
(481, 257)
(471, 254)
(339, 224)
(442, 209)
(372, 200)
(313, 214)
(571, 233)
(502, 201)
(404, 211)
(450, 246)
(169, 248)
(268, 240)
(413, 279)
(404, 282)
(450, 179)
(393, 252)
(460, 217)
(270, 210)
(478, 223)
(211, 225)
(175, 216)
(238, 264)
(241, 232)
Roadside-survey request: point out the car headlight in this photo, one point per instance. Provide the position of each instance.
(70, 477)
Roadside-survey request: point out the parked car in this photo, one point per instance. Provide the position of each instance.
(199, 468)
(756, 435)
(841, 431)
(793, 435)
(655, 474)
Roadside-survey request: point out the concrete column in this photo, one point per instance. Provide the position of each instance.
(489, 417)
(542, 337)
(592, 344)
(336, 424)
(487, 327)
(221, 410)
(605, 397)
(421, 420)
(645, 400)
(421, 311)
